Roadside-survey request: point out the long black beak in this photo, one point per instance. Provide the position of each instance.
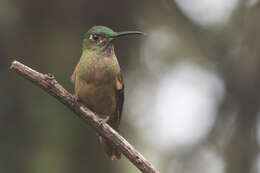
(119, 34)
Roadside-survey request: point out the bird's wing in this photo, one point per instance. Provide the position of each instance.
(119, 94)
(73, 76)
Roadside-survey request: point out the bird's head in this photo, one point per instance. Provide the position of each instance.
(101, 37)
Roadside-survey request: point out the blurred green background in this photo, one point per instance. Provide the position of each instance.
(192, 85)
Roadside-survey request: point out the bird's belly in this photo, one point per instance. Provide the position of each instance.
(99, 98)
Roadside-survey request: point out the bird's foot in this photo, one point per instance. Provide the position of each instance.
(103, 120)
(76, 97)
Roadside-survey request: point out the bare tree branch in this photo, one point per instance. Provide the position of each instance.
(48, 83)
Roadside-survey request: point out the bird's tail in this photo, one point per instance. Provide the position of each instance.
(112, 152)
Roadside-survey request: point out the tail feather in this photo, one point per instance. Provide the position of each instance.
(112, 152)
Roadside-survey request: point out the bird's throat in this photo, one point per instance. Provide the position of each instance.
(98, 67)
(108, 51)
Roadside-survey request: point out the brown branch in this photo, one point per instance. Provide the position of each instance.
(48, 83)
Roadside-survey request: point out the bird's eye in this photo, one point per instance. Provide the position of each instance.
(95, 37)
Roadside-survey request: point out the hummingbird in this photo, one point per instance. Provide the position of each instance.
(98, 79)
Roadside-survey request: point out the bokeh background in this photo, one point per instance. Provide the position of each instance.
(192, 85)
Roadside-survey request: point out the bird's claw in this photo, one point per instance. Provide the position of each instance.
(76, 97)
(104, 120)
